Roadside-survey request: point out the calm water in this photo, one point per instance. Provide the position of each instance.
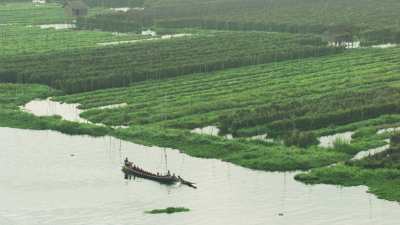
(42, 183)
(48, 107)
(329, 141)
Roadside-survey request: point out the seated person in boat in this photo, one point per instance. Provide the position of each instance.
(127, 163)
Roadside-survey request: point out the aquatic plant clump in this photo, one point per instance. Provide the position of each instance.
(168, 210)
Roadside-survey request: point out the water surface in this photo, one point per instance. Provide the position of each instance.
(371, 152)
(330, 140)
(48, 107)
(50, 178)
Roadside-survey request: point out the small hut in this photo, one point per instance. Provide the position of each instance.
(339, 35)
(75, 8)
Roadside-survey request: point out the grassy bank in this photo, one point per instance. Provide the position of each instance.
(384, 183)
(251, 154)
(380, 172)
(14, 95)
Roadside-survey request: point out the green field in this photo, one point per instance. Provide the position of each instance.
(27, 14)
(78, 70)
(300, 94)
(20, 32)
(22, 40)
(369, 21)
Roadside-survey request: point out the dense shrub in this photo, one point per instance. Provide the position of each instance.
(301, 139)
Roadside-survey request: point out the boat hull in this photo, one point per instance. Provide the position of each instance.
(161, 179)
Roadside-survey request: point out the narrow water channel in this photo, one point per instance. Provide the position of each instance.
(50, 178)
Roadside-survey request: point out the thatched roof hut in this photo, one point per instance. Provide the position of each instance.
(75, 8)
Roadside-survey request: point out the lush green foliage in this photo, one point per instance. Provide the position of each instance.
(304, 95)
(387, 159)
(252, 154)
(108, 3)
(23, 40)
(302, 139)
(381, 172)
(14, 95)
(89, 69)
(385, 183)
(28, 13)
(134, 21)
(367, 20)
(296, 100)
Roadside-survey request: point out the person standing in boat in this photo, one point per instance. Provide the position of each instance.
(126, 161)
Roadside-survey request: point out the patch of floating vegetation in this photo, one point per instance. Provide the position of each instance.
(376, 168)
(168, 210)
(330, 140)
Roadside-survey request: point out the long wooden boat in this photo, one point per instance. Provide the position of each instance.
(165, 179)
(130, 170)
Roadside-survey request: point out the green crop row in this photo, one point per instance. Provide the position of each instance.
(275, 98)
(369, 21)
(23, 40)
(28, 13)
(79, 70)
